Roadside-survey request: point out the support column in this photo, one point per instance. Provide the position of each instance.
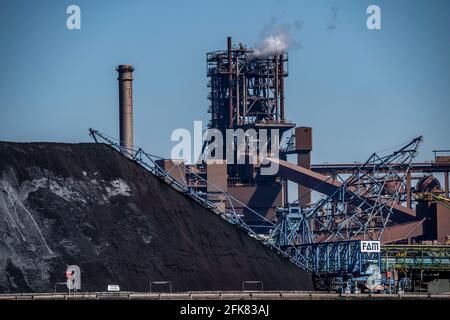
(408, 189)
(303, 146)
(446, 184)
(281, 87)
(230, 84)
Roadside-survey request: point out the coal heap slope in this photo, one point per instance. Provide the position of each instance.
(86, 204)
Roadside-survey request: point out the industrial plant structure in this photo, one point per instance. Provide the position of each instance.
(371, 201)
(382, 225)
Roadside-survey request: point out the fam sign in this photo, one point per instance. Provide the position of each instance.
(370, 246)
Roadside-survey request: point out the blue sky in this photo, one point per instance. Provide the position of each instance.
(360, 90)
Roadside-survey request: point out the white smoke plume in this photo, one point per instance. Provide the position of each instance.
(273, 44)
(275, 39)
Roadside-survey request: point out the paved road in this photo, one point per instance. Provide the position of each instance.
(223, 295)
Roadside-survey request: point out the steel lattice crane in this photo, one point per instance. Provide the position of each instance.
(357, 207)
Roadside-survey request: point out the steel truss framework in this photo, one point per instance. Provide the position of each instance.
(251, 86)
(294, 238)
(330, 258)
(337, 258)
(148, 161)
(360, 208)
(403, 257)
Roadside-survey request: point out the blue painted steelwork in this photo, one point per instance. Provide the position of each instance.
(339, 258)
(332, 258)
(363, 205)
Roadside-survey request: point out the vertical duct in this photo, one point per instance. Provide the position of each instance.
(282, 87)
(277, 86)
(408, 189)
(303, 147)
(237, 91)
(126, 106)
(230, 84)
(446, 184)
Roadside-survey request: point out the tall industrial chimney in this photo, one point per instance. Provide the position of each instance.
(126, 106)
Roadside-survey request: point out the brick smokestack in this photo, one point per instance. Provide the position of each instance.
(126, 106)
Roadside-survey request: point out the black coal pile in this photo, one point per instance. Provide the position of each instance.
(86, 204)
